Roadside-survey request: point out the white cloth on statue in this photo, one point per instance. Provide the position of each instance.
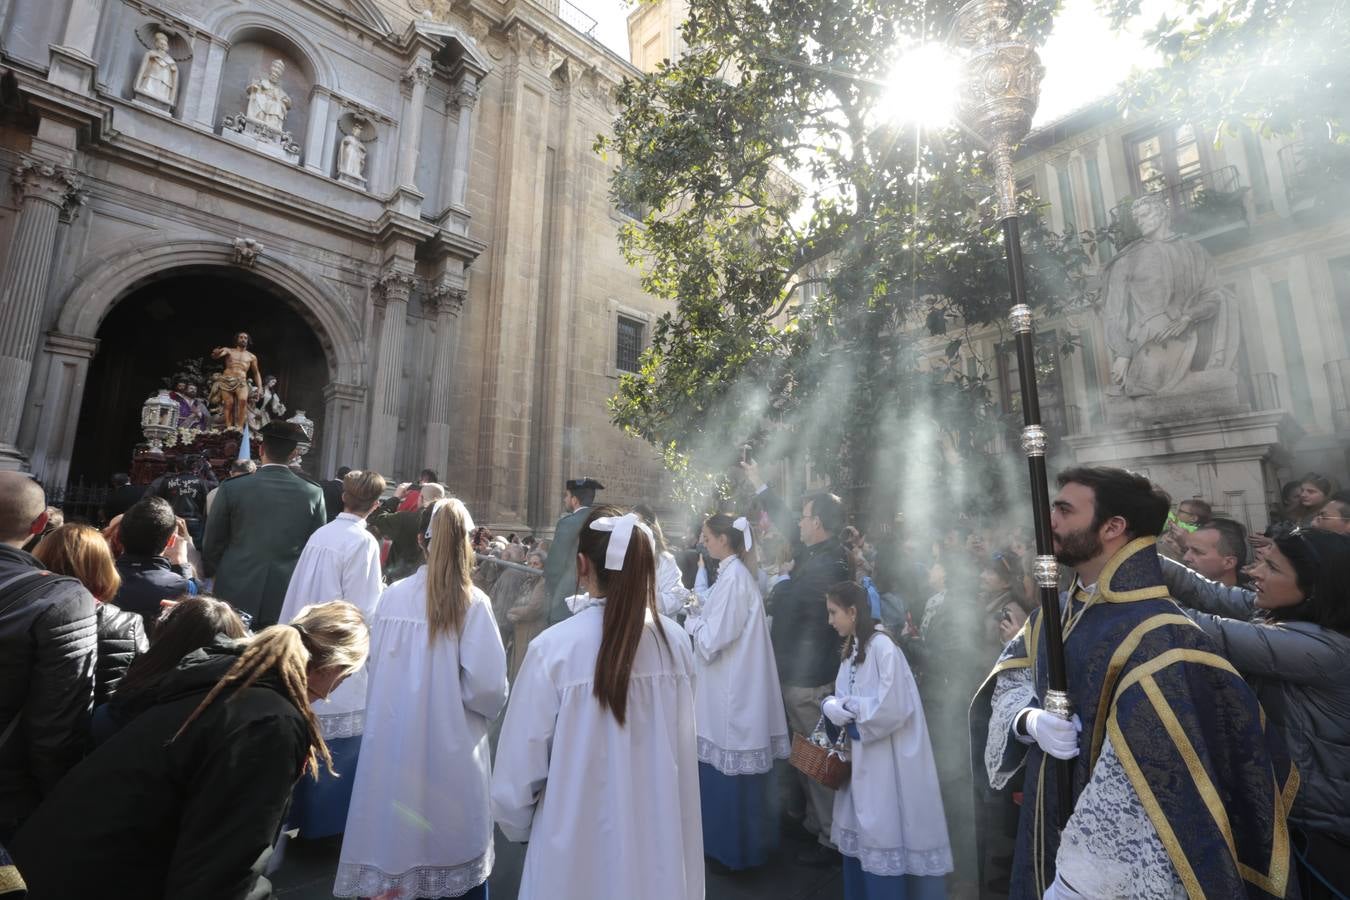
(419, 818)
(670, 590)
(742, 725)
(1109, 847)
(889, 815)
(609, 810)
(341, 561)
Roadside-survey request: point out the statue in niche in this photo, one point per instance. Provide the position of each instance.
(1160, 293)
(158, 76)
(352, 155)
(268, 104)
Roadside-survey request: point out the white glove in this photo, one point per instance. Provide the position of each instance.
(834, 710)
(1058, 890)
(1057, 737)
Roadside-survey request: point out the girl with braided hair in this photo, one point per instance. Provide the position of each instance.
(186, 799)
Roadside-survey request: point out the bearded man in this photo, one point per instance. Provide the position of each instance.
(1177, 788)
(230, 389)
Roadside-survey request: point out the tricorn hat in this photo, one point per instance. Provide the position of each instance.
(584, 484)
(283, 431)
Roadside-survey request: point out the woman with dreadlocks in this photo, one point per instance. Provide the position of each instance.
(186, 799)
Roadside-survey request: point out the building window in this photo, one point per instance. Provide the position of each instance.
(1066, 199)
(1294, 365)
(1167, 158)
(628, 347)
(1049, 383)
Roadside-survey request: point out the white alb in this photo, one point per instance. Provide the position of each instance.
(341, 561)
(609, 810)
(889, 814)
(742, 725)
(419, 818)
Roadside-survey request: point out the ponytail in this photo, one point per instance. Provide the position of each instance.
(444, 529)
(327, 635)
(630, 595)
(851, 595)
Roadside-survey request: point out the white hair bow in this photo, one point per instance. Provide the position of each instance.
(621, 532)
(742, 524)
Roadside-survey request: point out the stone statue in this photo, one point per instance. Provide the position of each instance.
(1161, 293)
(158, 75)
(352, 156)
(268, 402)
(268, 104)
(230, 388)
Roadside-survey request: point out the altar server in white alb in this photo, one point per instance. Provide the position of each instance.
(596, 764)
(671, 594)
(419, 824)
(742, 726)
(341, 561)
(888, 818)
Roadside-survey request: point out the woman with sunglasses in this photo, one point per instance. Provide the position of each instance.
(1290, 638)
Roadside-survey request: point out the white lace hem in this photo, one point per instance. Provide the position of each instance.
(889, 863)
(1013, 692)
(355, 880)
(744, 762)
(342, 725)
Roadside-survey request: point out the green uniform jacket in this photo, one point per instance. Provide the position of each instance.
(560, 569)
(258, 525)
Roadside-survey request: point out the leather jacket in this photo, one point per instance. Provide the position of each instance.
(47, 652)
(1301, 674)
(121, 638)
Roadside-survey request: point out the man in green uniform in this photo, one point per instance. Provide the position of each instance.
(258, 525)
(560, 570)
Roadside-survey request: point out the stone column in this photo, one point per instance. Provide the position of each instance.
(392, 291)
(466, 98)
(410, 141)
(204, 84)
(449, 301)
(72, 63)
(44, 190)
(317, 140)
(54, 439)
(340, 444)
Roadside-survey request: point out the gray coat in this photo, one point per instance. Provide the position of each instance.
(1301, 674)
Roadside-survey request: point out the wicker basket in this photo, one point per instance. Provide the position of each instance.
(828, 765)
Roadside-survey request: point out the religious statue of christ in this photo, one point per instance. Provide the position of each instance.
(230, 388)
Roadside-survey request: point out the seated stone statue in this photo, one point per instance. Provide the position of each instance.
(1158, 291)
(268, 104)
(158, 75)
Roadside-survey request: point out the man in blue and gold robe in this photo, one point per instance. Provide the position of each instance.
(1178, 788)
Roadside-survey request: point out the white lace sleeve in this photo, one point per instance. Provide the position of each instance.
(1110, 848)
(1013, 692)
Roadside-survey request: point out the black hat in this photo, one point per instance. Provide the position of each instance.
(584, 484)
(283, 431)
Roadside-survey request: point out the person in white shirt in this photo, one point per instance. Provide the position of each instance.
(341, 561)
(888, 818)
(419, 824)
(671, 594)
(596, 765)
(742, 727)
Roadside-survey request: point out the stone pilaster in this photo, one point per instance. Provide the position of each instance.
(44, 191)
(449, 302)
(62, 388)
(392, 292)
(419, 78)
(465, 98)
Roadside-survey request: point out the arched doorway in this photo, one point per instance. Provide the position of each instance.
(174, 317)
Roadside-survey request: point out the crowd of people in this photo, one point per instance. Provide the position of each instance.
(183, 694)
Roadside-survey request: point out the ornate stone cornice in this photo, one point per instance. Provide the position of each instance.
(58, 185)
(419, 72)
(395, 286)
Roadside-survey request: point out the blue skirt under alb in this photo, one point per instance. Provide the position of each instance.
(860, 885)
(319, 808)
(740, 817)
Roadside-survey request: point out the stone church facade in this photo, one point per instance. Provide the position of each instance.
(430, 218)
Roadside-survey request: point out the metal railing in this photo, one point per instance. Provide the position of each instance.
(576, 17)
(1200, 203)
(79, 502)
(1309, 168)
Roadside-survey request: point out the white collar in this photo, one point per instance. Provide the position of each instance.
(577, 602)
(352, 517)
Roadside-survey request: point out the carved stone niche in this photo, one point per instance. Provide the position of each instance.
(353, 154)
(160, 68)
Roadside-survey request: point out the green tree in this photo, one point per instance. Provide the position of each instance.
(894, 236)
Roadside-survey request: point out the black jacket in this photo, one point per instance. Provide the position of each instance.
(146, 580)
(47, 648)
(121, 638)
(142, 818)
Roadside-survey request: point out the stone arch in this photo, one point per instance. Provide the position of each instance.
(107, 280)
(239, 26)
